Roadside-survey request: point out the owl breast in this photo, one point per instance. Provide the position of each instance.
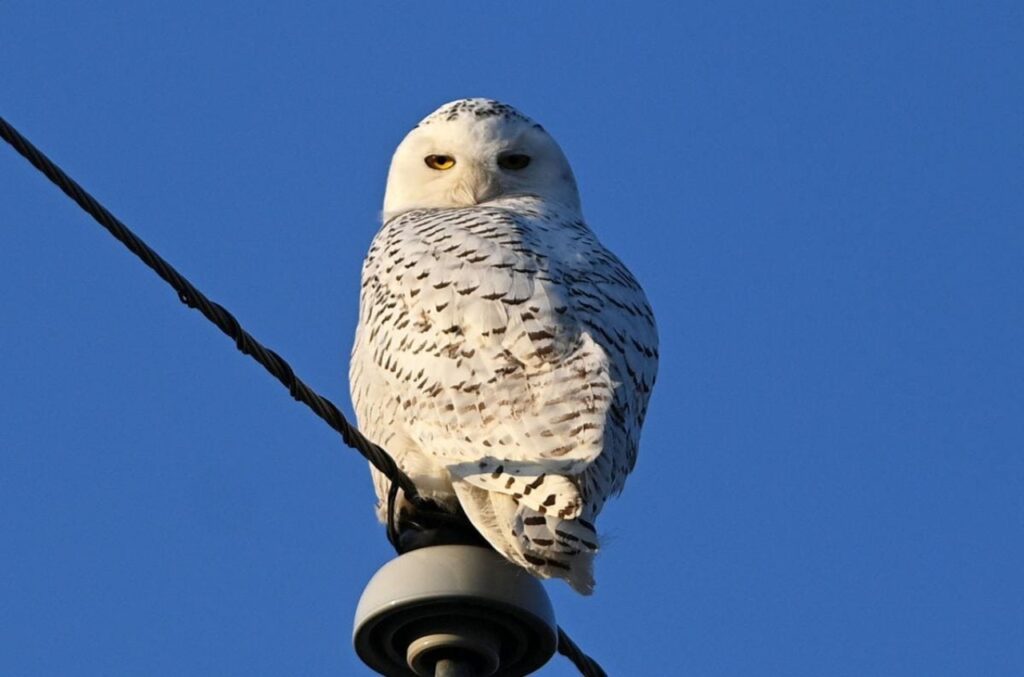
(505, 358)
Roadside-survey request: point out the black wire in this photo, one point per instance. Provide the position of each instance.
(587, 666)
(392, 525)
(214, 312)
(248, 345)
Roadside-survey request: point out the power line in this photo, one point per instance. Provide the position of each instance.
(214, 312)
(248, 345)
(587, 666)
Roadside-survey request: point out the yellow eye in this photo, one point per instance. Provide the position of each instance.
(440, 161)
(513, 161)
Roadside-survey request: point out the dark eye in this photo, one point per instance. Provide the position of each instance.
(513, 161)
(440, 161)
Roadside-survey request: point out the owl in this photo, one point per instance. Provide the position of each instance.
(504, 357)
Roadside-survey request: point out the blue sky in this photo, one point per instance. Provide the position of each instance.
(824, 202)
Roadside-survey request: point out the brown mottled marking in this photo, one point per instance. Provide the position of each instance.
(534, 560)
(562, 450)
(566, 535)
(536, 483)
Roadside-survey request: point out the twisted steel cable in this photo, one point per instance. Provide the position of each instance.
(587, 666)
(214, 312)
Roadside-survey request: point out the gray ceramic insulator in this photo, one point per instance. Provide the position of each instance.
(462, 603)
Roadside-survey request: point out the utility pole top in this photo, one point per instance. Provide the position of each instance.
(454, 611)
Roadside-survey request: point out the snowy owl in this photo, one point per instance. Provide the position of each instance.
(503, 356)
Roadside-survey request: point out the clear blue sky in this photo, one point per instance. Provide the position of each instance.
(824, 204)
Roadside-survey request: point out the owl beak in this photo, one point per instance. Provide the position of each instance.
(486, 192)
(481, 184)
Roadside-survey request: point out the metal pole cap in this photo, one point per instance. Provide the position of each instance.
(454, 602)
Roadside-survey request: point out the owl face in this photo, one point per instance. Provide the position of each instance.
(473, 151)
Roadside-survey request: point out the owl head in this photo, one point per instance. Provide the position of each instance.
(473, 151)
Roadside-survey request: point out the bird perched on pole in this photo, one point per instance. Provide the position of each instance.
(504, 357)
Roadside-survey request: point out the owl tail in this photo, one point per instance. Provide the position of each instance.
(545, 545)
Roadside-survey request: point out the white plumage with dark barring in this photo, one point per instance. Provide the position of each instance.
(504, 357)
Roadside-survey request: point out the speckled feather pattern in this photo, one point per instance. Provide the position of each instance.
(505, 358)
(475, 108)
